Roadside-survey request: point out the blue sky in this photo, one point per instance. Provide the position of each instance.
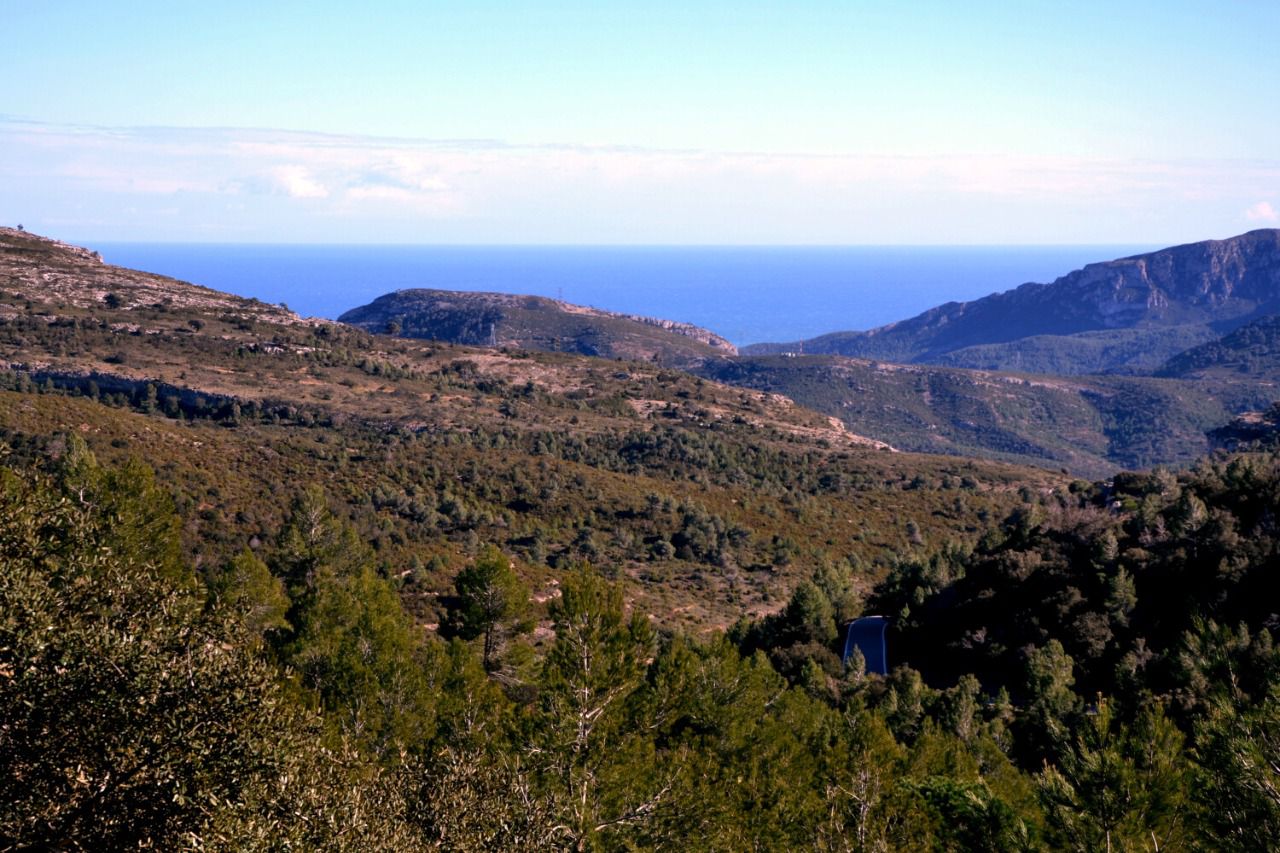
(640, 123)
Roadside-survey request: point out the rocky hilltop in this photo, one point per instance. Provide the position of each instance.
(1249, 431)
(1128, 305)
(49, 273)
(535, 322)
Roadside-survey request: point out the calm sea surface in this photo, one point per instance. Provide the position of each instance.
(747, 294)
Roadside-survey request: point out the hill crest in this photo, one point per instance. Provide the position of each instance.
(534, 322)
(1215, 283)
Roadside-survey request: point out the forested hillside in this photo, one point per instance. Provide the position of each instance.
(1249, 352)
(1091, 426)
(1098, 670)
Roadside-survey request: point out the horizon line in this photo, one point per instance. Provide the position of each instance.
(532, 245)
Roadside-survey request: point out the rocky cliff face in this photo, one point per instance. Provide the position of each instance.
(1221, 283)
(535, 322)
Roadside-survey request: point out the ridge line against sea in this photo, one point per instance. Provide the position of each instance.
(748, 294)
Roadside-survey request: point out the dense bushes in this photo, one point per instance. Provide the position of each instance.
(284, 699)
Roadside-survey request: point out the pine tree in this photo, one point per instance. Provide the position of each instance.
(135, 715)
(352, 644)
(492, 603)
(1117, 787)
(596, 662)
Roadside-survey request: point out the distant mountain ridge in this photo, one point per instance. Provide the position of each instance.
(1006, 399)
(1190, 291)
(535, 322)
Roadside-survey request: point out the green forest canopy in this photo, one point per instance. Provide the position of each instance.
(284, 698)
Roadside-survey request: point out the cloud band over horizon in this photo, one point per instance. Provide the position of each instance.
(256, 185)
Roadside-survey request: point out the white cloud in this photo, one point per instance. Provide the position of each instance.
(1262, 212)
(379, 193)
(308, 185)
(298, 182)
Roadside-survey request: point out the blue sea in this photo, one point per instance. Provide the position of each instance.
(746, 294)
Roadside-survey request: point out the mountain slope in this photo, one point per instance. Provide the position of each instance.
(1216, 283)
(1129, 351)
(37, 273)
(1251, 351)
(537, 323)
(1089, 425)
